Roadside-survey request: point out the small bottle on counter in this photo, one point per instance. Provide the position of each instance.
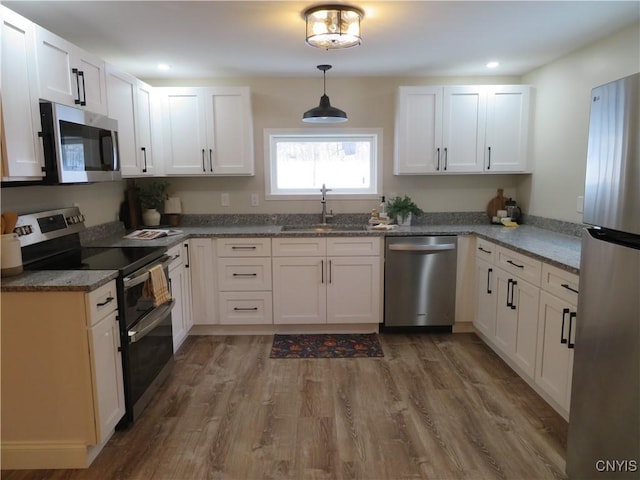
(382, 209)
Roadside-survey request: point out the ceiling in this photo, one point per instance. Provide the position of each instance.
(205, 39)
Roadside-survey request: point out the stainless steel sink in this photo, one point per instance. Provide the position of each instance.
(320, 228)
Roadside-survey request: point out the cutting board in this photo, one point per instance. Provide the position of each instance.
(495, 204)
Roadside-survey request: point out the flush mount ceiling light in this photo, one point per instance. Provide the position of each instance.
(333, 26)
(324, 113)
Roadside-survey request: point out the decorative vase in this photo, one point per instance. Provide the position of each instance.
(151, 217)
(406, 221)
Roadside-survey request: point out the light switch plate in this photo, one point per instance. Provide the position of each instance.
(255, 200)
(224, 199)
(580, 204)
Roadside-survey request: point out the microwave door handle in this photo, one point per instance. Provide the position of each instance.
(150, 321)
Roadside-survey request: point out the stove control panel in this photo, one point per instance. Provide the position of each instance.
(41, 226)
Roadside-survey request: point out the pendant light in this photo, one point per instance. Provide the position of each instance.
(324, 113)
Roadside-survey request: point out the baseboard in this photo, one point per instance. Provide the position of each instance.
(38, 455)
(463, 327)
(291, 329)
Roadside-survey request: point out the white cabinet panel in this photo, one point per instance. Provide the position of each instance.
(353, 288)
(486, 298)
(299, 290)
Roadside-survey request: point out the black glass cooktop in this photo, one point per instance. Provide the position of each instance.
(124, 259)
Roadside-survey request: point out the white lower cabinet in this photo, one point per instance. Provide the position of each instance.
(244, 281)
(180, 287)
(526, 311)
(327, 280)
(556, 336)
(204, 288)
(68, 345)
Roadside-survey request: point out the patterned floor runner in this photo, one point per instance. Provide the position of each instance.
(326, 346)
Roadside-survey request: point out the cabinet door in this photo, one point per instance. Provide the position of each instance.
(121, 105)
(463, 129)
(353, 289)
(146, 154)
(418, 135)
(106, 365)
(229, 130)
(178, 321)
(506, 317)
(299, 290)
(184, 129)
(506, 145)
(20, 101)
(203, 281)
(554, 364)
(486, 295)
(526, 300)
(57, 59)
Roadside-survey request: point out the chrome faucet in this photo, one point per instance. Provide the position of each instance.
(323, 201)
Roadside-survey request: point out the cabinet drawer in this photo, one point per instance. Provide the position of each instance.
(486, 250)
(520, 265)
(244, 247)
(245, 308)
(101, 302)
(354, 246)
(299, 247)
(244, 274)
(561, 283)
(175, 253)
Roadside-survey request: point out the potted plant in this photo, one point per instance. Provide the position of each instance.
(151, 196)
(402, 209)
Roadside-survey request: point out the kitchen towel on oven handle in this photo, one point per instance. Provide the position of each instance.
(156, 286)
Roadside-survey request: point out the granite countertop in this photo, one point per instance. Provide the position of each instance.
(558, 249)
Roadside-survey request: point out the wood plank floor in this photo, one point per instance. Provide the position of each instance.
(434, 407)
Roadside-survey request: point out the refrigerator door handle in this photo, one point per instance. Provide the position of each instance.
(564, 314)
(571, 344)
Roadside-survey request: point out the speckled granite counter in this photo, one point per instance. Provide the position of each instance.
(557, 249)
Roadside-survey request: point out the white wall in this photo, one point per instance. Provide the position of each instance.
(561, 121)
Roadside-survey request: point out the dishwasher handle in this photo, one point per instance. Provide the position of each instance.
(421, 248)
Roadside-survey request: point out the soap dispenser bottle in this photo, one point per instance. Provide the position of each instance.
(382, 209)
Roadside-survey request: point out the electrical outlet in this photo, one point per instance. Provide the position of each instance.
(255, 201)
(580, 204)
(224, 199)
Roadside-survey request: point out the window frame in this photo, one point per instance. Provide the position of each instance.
(271, 135)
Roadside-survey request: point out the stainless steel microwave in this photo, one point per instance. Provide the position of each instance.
(79, 146)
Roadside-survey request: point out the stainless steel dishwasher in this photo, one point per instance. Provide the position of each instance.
(420, 281)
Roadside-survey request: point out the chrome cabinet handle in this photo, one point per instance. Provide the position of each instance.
(564, 314)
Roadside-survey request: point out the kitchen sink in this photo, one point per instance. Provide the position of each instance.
(319, 228)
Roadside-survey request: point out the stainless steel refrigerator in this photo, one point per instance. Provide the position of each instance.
(604, 419)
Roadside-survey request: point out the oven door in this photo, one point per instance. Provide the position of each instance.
(147, 340)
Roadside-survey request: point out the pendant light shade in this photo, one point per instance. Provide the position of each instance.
(333, 26)
(324, 113)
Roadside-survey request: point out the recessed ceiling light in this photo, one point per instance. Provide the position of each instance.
(493, 64)
(164, 67)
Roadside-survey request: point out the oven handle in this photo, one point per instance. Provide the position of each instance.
(143, 274)
(150, 321)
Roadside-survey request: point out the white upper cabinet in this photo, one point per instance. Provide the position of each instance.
(207, 131)
(69, 75)
(461, 129)
(148, 124)
(22, 154)
(418, 135)
(506, 144)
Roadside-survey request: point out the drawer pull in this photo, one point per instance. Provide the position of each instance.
(243, 247)
(107, 301)
(564, 314)
(484, 250)
(515, 264)
(565, 285)
(245, 274)
(245, 309)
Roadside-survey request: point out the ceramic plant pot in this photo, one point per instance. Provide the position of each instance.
(151, 217)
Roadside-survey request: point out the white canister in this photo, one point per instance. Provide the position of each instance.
(10, 255)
